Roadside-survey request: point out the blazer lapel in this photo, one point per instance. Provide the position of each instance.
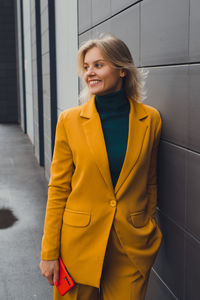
(138, 124)
(95, 139)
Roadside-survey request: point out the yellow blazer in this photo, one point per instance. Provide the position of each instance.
(82, 204)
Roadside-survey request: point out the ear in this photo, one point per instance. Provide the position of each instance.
(122, 74)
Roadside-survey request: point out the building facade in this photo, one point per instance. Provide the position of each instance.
(164, 37)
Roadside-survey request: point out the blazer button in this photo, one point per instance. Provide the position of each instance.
(113, 203)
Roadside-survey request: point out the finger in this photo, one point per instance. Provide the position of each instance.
(43, 269)
(40, 266)
(56, 277)
(50, 279)
(56, 274)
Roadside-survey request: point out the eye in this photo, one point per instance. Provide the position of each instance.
(85, 67)
(98, 65)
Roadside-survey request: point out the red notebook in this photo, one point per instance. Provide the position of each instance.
(66, 282)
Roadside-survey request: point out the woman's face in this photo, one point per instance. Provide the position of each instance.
(100, 75)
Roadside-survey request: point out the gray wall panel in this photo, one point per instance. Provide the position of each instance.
(193, 192)
(192, 268)
(43, 5)
(44, 18)
(117, 5)
(66, 54)
(101, 28)
(45, 41)
(19, 66)
(126, 26)
(28, 68)
(168, 91)
(194, 107)
(34, 80)
(33, 46)
(46, 86)
(194, 46)
(46, 64)
(172, 169)
(164, 31)
(84, 37)
(100, 11)
(85, 15)
(157, 290)
(169, 263)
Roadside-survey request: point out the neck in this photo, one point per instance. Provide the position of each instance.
(112, 102)
(112, 95)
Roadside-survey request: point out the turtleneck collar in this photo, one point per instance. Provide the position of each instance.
(112, 102)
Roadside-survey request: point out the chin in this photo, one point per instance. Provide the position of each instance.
(97, 92)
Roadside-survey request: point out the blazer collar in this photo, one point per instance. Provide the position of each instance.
(89, 109)
(138, 124)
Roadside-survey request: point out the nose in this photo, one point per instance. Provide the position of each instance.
(90, 70)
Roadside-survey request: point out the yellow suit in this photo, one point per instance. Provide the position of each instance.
(82, 204)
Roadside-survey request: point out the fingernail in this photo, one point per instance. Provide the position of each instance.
(56, 283)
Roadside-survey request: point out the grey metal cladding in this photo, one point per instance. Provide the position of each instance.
(126, 26)
(118, 5)
(194, 107)
(101, 28)
(84, 37)
(192, 268)
(100, 11)
(194, 41)
(169, 263)
(45, 42)
(168, 91)
(171, 180)
(84, 15)
(157, 289)
(164, 31)
(193, 192)
(43, 5)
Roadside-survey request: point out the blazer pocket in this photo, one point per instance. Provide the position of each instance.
(138, 218)
(76, 218)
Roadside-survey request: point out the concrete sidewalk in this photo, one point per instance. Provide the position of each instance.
(23, 191)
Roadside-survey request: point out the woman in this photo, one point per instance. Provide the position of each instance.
(100, 215)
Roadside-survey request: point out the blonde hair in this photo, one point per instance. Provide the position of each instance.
(117, 53)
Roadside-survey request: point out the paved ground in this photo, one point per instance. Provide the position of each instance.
(23, 191)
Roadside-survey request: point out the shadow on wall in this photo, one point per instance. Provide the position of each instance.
(7, 218)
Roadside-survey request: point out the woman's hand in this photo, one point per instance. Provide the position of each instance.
(50, 270)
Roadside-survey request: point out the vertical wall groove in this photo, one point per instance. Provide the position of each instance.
(53, 77)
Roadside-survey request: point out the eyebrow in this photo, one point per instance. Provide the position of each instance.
(85, 63)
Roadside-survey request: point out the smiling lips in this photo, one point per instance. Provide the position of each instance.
(94, 82)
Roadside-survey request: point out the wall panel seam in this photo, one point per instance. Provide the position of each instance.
(180, 147)
(185, 230)
(164, 284)
(126, 8)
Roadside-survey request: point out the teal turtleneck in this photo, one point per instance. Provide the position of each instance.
(114, 110)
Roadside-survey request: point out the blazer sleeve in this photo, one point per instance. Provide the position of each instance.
(152, 176)
(59, 189)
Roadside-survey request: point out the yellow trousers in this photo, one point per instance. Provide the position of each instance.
(120, 279)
